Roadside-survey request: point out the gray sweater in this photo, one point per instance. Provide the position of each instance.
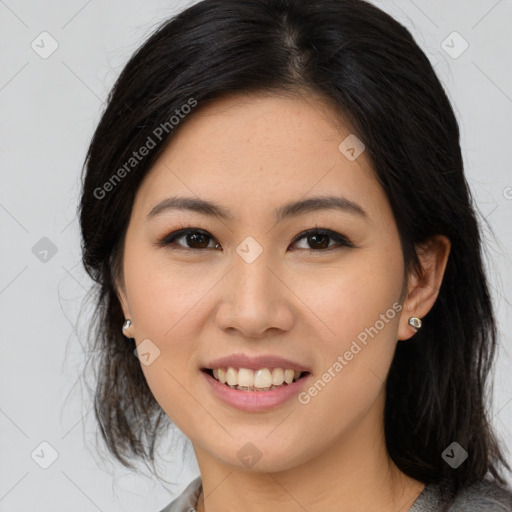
(483, 496)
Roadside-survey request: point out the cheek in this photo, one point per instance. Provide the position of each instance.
(163, 294)
(168, 305)
(166, 380)
(352, 296)
(358, 311)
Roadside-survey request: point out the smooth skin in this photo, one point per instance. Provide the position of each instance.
(303, 298)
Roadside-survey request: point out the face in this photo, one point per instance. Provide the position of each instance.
(250, 280)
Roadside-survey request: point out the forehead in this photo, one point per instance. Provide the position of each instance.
(252, 152)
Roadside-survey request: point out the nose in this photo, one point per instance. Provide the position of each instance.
(255, 298)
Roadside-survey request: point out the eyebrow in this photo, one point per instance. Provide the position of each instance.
(288, 210)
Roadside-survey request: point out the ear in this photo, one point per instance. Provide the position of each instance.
(121, 293)
(422, 290)
(125, 306)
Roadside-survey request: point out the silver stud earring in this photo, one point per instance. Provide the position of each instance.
(127, 324)
(415, 322)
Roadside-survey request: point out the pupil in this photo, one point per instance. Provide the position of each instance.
(195, 238)
(324, 239)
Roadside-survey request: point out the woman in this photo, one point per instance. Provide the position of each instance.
(275, 212)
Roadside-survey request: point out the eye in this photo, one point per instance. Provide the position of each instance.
(195, 238)
(318, 239)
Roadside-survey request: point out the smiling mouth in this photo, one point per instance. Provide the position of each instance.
(244, 379)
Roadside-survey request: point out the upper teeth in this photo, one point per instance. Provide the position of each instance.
(263, 378)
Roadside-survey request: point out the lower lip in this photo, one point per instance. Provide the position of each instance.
(255, 401)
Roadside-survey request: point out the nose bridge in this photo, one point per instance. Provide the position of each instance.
(256, 299)
(252, 277)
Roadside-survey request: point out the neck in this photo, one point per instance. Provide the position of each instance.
(354, 474)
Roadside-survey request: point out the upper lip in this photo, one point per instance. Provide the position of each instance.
(256, 362)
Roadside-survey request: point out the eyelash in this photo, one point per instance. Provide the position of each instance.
(170, 239)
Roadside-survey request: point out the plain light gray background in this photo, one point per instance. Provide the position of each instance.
(49, 108)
